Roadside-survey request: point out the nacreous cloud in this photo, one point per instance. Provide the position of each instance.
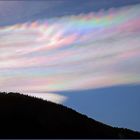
(76, 52)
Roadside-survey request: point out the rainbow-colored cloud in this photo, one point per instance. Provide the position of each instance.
(76, 52)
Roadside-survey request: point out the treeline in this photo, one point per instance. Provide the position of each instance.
(22, 116)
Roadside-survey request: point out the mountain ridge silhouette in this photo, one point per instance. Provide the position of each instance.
(23, 116)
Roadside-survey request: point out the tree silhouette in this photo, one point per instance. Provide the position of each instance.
(22, 116)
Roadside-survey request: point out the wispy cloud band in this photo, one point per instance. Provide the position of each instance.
(72, 52)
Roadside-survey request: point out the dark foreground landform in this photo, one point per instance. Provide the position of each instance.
(22, 116)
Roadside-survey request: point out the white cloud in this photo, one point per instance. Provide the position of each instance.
(56, 98)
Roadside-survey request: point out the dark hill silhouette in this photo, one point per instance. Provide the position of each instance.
(22, 116)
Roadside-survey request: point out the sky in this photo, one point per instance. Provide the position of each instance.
(83, 54)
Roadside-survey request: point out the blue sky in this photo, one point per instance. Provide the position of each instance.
(107, 90)
(12, 12)
(117, 105)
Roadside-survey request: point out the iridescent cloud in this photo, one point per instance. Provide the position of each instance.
(76, 52)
